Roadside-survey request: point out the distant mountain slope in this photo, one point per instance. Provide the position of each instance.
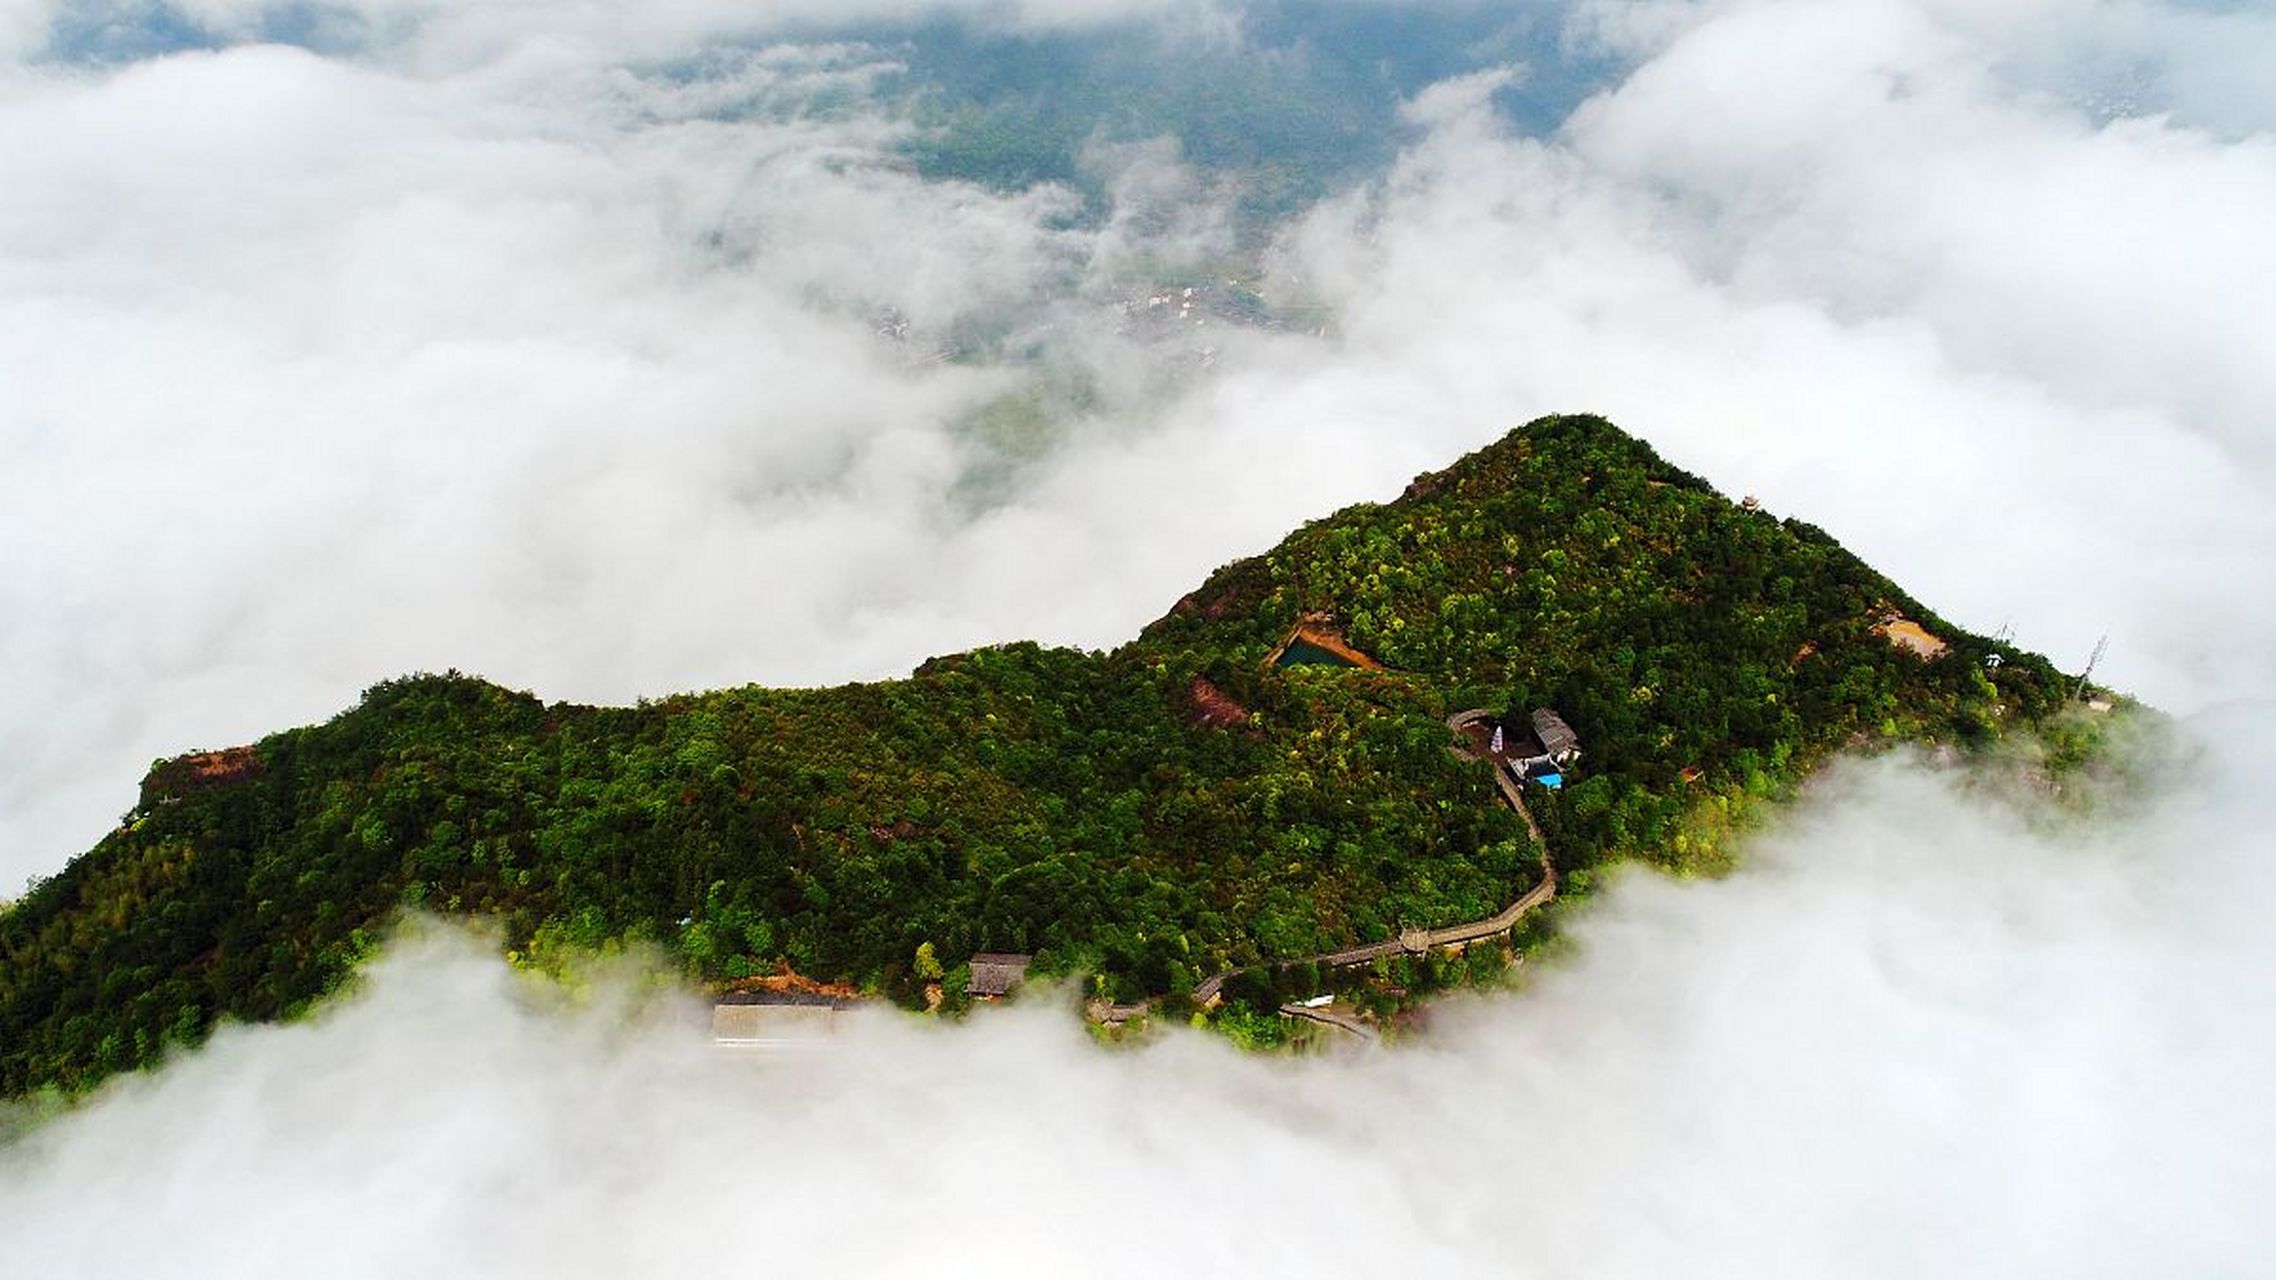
(1174, 808)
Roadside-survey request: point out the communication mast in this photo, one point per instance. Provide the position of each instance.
(2004, 636)
(2091, 662)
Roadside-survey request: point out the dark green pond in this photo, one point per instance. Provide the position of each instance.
(1303, 653)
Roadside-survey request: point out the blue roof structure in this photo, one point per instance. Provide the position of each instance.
(1541, 771)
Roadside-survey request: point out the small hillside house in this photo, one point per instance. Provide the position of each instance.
(775, 1020)
(995, 973)
(1540, 748)
(1558, 741)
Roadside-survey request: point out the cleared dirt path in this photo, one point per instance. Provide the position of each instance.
(1331, 1017)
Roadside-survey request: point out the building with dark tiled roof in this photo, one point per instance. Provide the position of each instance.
(775, 1019)
(995, 973)
(1537, 747)
(1558, 741)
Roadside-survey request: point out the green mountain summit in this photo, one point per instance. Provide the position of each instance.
(1262, 774)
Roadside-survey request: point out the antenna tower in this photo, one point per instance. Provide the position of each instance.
(2092, 661)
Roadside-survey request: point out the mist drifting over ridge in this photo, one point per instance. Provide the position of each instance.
(560, 343)
(1916, 1031)
(545, 343)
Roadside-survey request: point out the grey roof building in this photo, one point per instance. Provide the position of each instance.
(995, 973)
(1558, 741)
(775, 1020)
(1539, 735)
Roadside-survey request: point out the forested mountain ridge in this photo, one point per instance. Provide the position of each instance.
(1175, 807)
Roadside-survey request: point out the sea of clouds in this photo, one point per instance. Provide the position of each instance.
(1922, 1031)
(543, 340)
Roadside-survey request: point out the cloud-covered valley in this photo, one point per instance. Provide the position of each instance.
(1922, 1030)
(610, 352)
(607, 383)
(549, 346)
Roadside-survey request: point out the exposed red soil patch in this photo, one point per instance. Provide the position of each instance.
(791, 982)
(1217, 608)
(222, 766)
(1212, 706)
(1911, 637)
(170, 779)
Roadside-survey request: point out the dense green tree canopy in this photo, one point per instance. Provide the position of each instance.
(1177, 807)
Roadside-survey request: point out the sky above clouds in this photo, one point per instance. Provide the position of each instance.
(609, 351)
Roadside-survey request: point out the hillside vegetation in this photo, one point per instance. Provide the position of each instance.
(1170, 809)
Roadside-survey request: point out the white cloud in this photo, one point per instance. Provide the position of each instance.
(526, 363)
(1826, 252)
(328, 370)
(1872, 160)
(442, 39)
(1919, 1032)
(320, 371)
(481, 348)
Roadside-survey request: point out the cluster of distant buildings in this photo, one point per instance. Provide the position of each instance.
(771, 1020)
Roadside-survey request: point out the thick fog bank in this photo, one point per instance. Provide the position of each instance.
(1914, 1035)
(593, 348)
